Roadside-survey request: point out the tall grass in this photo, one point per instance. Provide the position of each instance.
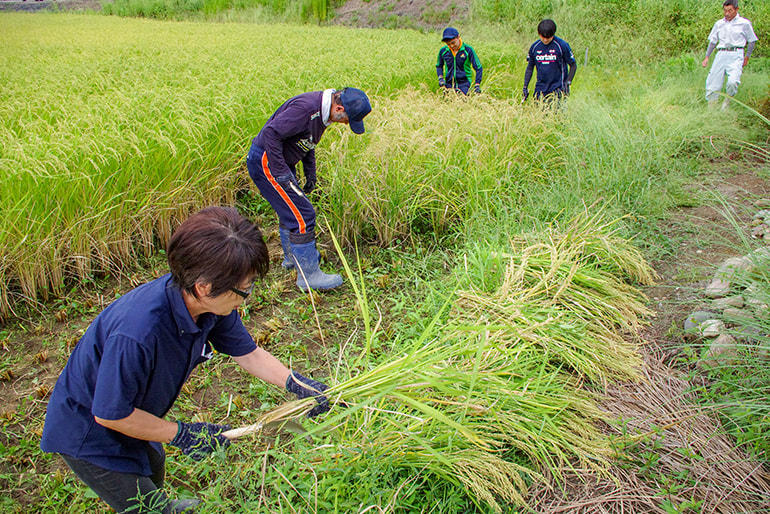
(625, 33)
(488, 167)
(432, 162)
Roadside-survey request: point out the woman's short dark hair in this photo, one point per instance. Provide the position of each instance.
(547, 28)
(216, 246)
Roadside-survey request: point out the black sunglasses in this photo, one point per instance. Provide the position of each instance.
(243, 294)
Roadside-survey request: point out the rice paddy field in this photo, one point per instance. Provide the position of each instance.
(117, 128)
(494, 253)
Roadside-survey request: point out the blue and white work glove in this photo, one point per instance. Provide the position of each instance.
(441, 82)
(196, 440)
(305, 387)
(477, 89)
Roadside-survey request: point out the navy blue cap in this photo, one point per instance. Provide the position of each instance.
(356, 105)
(449, 33)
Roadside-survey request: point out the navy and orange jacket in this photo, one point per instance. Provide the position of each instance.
(292, 133)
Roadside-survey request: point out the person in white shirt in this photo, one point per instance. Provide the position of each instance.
(734, 39)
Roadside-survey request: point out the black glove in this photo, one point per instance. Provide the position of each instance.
(477, 89)
(441, 82)
(524, 94)
(196, 440)
(309, 186)
(305, 387)
(566, 88)
(287, 181)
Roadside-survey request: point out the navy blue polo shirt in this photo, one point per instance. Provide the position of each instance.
(552, 62)
(136, 354)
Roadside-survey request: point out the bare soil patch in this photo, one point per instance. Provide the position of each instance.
(415, 14)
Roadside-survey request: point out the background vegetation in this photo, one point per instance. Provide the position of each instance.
(117, 128)
(630, 32)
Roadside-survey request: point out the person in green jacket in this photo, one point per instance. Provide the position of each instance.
(458, 59)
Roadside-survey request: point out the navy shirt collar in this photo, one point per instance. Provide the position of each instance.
(182, 317)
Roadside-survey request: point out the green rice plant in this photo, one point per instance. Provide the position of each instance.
(502, 394)
(628, 141)
(579, 275)
(132, 125)
(431, 162)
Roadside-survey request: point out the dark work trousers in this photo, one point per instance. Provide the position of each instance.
(555, 99)
(295, 212)
(126, 491)
(460, 87)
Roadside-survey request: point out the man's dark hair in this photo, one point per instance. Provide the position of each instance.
(337, 98)
(217, 246)
(547, 28)
(734, 3)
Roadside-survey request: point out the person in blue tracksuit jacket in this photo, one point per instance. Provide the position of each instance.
(456, 63)
(106, 414)
(288, 137)
(555, 63)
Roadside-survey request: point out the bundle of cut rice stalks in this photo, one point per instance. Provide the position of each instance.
(496, 398)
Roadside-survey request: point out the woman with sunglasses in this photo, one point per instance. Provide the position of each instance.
(106, 413)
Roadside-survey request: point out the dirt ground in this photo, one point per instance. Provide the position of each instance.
(659, 410)
(425, 14)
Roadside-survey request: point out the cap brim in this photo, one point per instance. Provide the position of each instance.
(357, 126)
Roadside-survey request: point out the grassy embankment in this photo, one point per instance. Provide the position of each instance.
(118, 128)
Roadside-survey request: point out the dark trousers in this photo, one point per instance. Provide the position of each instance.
(554, 99)
(459, 87)
(295, 212)
(126, 492)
